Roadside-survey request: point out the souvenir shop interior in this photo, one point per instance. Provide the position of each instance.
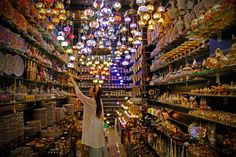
(167, 69)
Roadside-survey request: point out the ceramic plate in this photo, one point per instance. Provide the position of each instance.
(2, 62)
(10, 64)
(19, 68)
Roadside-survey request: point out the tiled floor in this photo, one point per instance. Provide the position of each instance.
(116, 149)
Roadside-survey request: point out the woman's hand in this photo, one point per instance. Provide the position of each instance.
(71, 78)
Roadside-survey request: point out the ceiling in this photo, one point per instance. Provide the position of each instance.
(81, 4)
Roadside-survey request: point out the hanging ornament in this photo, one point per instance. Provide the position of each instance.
(62, 17)
(48, 3)
(59, 5)
(133, 25)
(93, 24)
(63, 11)
(49, 12)
(146, 16)
(83, 37)
(64, 43)
(84, 17)
(118, 43)
(141, 23)
(123, 29)
(51, 26)
(55, 20)
(55, 12)
(161, 20)
(130, 39)
(140, 2)
(152, 22)
(39, 5)
(117, 18)
(151, 27)
(127, 20)
(142, 9)
(66, 29)
(123, 38)
(117, 6)
(89, 12)
(98, 4)
(42, 11)
(150, 8)
(91, 43)
(71, 36)
(157, 16)
(69, 50)
(161, 9)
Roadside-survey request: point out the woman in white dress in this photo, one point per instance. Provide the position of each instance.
(92, 132)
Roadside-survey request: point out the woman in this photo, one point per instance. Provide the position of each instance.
(92, 133)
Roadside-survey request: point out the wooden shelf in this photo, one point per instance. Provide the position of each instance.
(20, 53)
(184, 111)
(210, 28)
(182, 83)
(34, 82)
(213, 121)
(156, 154)
(172, 106)
(30, 40)
(193, 55)
(24, 102)
(216, 72)
(206, 95)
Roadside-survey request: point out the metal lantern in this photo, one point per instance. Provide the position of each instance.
(142, 9)
(141, 23)
(50, 26)
(59, 5)
(98, 4)
(127, 20)
(157, 16)
(117, 18)
(133, 25)
(48, 3)
(117, 6)
(161, 9)
(151, 27)
(152, 22)
(93, 24)
(150, 8)
(55, 20)
(89, 12)
(146, 17)
(140, 2)
(62, 17)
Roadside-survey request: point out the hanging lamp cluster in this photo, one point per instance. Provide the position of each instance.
(55, 12)
(149, 14)
(99, 66)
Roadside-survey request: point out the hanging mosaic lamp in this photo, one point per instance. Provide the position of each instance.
(117, 6)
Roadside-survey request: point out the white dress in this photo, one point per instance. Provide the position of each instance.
(92, 131)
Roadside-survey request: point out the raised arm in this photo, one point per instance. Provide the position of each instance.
(84, 99)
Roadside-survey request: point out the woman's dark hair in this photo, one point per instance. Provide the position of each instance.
(98, 101)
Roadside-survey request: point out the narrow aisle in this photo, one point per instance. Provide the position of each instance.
(116, 149)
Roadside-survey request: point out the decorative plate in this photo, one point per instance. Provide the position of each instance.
(10, 64)
(2, 62)
(19, 68)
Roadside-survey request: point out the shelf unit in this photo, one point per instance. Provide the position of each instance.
(218, 32)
